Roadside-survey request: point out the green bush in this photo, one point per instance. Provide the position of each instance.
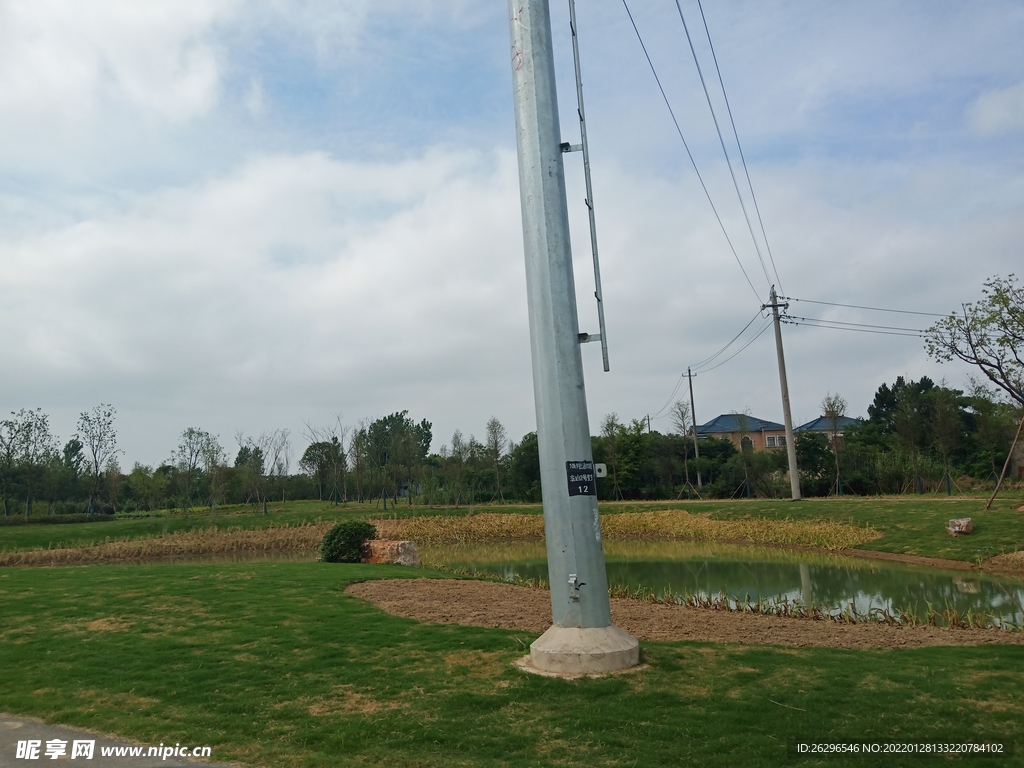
(344, 542)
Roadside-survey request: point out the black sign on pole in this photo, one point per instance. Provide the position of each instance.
(582, 481)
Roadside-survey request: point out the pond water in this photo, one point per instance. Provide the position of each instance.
(832, 583)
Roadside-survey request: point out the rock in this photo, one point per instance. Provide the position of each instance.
(391, 552)
(959, 526)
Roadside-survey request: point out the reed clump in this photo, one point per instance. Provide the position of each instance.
(208, 541)
(663, 524)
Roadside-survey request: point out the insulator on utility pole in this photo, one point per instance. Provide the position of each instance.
(582, 637)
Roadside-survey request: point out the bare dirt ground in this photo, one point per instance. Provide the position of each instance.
(491, 604)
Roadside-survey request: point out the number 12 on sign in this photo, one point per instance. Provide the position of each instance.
(582, 481)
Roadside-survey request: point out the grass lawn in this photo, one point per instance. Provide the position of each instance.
(271, 664)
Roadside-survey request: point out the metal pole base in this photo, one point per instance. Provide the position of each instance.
(584, 651)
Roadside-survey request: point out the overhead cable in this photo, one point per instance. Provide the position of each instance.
(755, 337)
(873, 309)
(679, 383)
(812, 323)
(707, 360)
(721, 141)
(687, 147)
(858, 325)
(735, 133)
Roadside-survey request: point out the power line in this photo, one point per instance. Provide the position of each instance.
(735, 133)
(873, 309)
(707, 360)
(765, 327)
(721, 141)
(859, 325)
(687, 147)
(813, 323)
(657, 414)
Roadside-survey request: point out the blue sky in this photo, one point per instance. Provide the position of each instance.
(242, 216)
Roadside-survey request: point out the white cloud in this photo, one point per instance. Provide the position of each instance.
(62, 63)
(255, 101)
(338, 284)
(998, 111)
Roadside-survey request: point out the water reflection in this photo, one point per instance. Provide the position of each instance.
(707, 570)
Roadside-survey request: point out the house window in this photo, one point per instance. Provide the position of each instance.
(781, 441)
(770, 441)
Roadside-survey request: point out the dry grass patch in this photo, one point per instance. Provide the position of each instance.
(347, 701)
(665, 524)
(108, 624)
(209, 541)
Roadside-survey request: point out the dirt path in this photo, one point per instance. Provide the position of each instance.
(491, 604)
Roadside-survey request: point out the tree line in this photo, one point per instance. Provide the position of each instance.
(919, 436)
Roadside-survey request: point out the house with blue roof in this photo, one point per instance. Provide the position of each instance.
(825, 426)
(735, 427)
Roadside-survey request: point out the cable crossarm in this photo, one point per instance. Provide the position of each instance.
(739, 146)
(686, 146)
(872, 309)
(721, 141)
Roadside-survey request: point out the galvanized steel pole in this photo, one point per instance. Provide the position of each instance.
(582, 638)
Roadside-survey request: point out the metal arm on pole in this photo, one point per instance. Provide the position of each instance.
(590, 192)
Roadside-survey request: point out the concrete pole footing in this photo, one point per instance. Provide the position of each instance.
(584, 650)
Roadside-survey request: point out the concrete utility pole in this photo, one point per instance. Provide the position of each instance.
(582, 637)
(794, 473)
(693, 415)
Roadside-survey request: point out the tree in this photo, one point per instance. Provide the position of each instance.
(96, 432)
(8, 438)
(681, 421)
(34, 446)
(214, 460)
(189, 456)
(834, 409)
(326, 458)
(250, 465)
(988, 334)
(497, 441)
(524, 469)
(611, 429)
(147, 486)
(316, 462)
(261, 458)
(947, 426)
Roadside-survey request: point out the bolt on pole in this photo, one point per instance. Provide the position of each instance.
(582, 638)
